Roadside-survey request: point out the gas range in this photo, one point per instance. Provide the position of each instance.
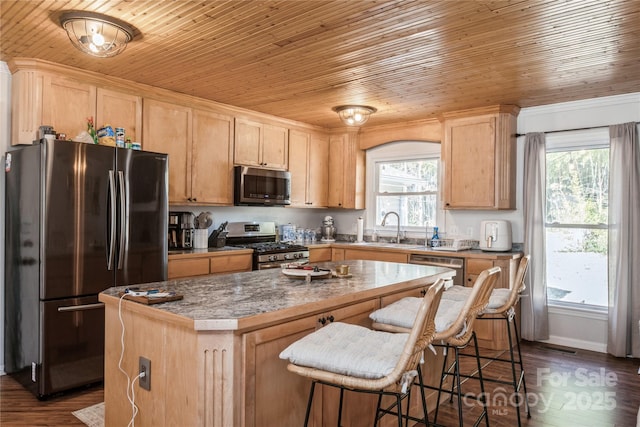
(261, 237)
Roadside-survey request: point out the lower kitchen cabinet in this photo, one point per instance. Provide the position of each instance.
(319, 254)
(208, 263)
(375, 255)
(284, 401)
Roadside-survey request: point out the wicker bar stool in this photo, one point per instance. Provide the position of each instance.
(356, 358)
(454, 335)
(501, 307)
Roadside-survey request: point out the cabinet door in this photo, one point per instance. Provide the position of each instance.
(318, 171)
(298, 167)
(66, 105)
(187, 267)
(283, 402)
(375, 255)
(470, 168)
(248, 143)
(275, 147)
(211, 158)
(120, 110)
(336, 171)
(167, 129)
(319, 254)
(230, 263)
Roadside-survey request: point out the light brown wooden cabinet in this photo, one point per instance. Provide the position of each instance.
(346, 172)
(210, 263)
(261, 144)
(199, 146)
(319, 254)
(120, 109)
(479, 155)
(287, 397)
(309, 168)
(66, 103)
(376, 255)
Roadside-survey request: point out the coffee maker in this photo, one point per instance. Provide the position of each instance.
(181, 230)
(328, 230)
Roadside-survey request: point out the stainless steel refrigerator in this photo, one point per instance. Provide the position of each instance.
(80, 218)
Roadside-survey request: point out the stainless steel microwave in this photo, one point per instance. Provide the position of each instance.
(263, 187)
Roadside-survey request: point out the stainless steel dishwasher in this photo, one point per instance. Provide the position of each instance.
(454, 263)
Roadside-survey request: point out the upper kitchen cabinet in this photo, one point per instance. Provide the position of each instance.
(121, 110)
(309, 168)
(346, 172)
(41, 97)
(199, 146)
(479, 156)
(261, 144)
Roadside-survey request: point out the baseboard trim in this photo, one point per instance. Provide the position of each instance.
(574, 343)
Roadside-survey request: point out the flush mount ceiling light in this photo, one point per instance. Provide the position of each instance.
(96, 34)
(354, 115)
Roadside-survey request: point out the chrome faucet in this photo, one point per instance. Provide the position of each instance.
(384, 219)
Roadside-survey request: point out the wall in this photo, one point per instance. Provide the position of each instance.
(5, 143)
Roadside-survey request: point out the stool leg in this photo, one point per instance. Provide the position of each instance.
(424, 398)
(513, 372)
(444, 373)
(524, 382)
(458, 386)
(399, 403)
(306, 415)
(340, 407)
(483, 399)
(375, 421)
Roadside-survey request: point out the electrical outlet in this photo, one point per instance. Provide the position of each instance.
(470, 231)
(453, 230)
(145, 368)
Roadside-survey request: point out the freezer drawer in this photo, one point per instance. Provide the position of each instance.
(72, 344)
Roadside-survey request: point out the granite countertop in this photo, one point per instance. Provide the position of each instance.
(233, 301)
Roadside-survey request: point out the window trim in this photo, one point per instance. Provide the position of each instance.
(397, 151)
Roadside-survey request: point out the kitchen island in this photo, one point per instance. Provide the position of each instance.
(214, 354)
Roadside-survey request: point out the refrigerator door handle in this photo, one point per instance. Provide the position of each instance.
(123, 219)
(112, 228)
(81, 307)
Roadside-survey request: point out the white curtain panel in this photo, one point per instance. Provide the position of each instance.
(624, 241)
(535, 319)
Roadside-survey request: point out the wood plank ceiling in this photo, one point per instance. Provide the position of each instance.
(410, 59)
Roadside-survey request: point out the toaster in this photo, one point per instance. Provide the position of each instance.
(495, 235)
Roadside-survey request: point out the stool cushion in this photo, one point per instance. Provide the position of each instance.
(403, 313)
(348, 349)
(499, 297)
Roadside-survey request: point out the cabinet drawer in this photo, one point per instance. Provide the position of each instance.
(477, 266)
(375, 255)
(187, 267)
(230, 263)
(319, 254)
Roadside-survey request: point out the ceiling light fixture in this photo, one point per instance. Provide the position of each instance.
(96, 34)
(354, 115)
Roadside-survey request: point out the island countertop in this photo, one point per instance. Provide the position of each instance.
(241, 301)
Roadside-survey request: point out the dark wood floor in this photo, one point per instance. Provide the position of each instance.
(566, 388)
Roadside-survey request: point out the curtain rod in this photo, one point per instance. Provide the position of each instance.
(566, 130)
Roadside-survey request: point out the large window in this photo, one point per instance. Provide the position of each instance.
(404, 181)
(576, 222)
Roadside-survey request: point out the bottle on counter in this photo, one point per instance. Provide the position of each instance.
(435, 238)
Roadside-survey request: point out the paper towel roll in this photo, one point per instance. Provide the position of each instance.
(360, 232)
